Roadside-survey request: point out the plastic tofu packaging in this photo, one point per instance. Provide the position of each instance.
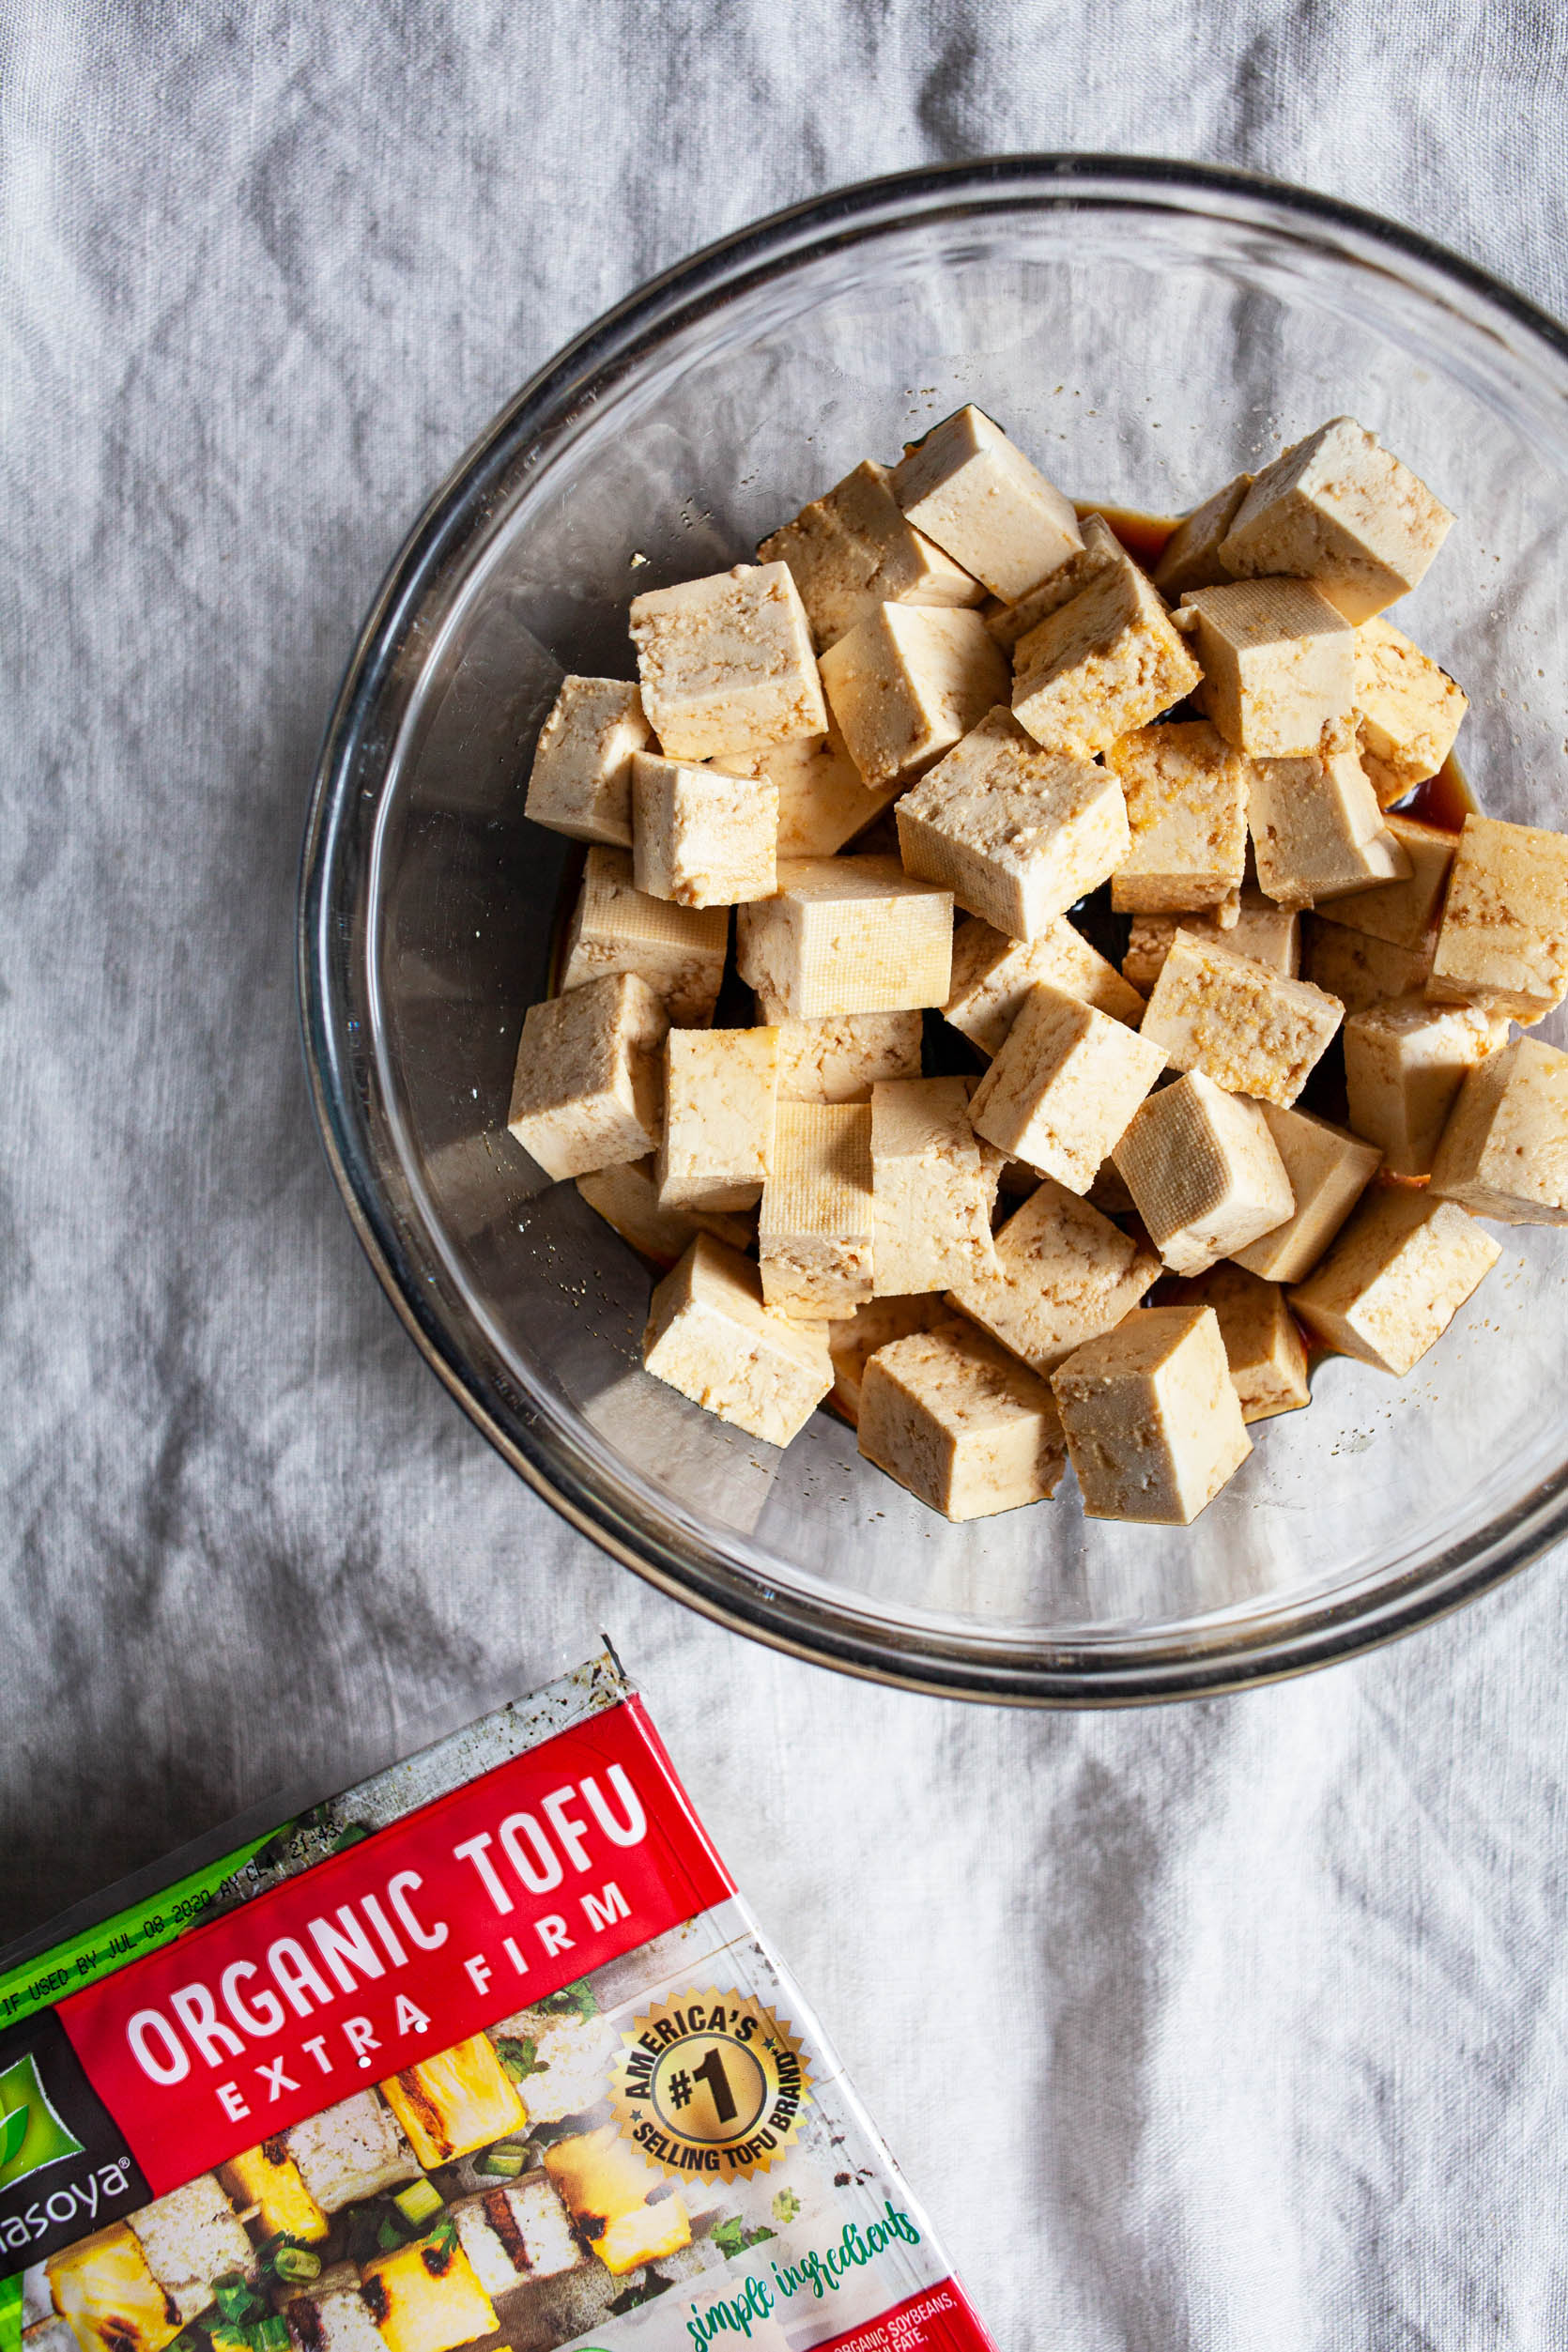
(486, 2051)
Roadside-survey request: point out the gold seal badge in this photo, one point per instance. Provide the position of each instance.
(709, 2082)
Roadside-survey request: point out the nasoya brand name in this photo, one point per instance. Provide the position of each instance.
(80, 2200)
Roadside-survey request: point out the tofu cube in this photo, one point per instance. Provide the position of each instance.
(1264, 1347)
(1266, 932)
(1317, 831)
(856, 1340)
(1186, 811)
(1406, 913)
(1250, 1028)
(1204, 1173)
(267, 2181)
(457, 2100)
(679, 951)
(992, 974)
(332, 2317)
(1396, 1277)
(856, 549)
(1063, 1274)
(816, 1233)
(605, 2183)
(1405, 1063)
(1191, 558)
(1101, 551)
(1018, 835)
(823, 800)
(710, 1336)
(727, 663)
(907, 683)
(1064, 1085)
(1329, 1169)
(960, 1422)
(931, 1202)
(1360, 970)
(425, 2297)
(1108, 662)
(699, 837)
(349, 2152)
(190, 2237)
(1278, 664)
(1407, 710)
(108, 2297)
(1504, 1151)
(1152, 1418)
(517, 2233)
(967, 487)
(841, 1058)
(627, 1198)
(1342, 511)
(580, 783)
(587, 1084)
(720, 1086)
(847, 935)
(1503, 942)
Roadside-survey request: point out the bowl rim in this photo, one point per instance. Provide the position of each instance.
(1239, 1655)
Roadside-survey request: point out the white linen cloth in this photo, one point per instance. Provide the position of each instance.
(1222, 2025)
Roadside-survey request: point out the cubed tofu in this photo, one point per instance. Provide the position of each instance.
(992, 974)
(572, 2055)
(1504, 939)
(1396, 1277)
(1264, 1347)
(1328, 1170)
(606, 2184)
(50, 2334)
(582, 780)
(907, 683)
(1406, 913)
(350, 2151)
(1360, 970)
(1152, 1418)
(823, 800)
(1190, 556)
(1342, 511)
(1405, 1063)
(1407, 710)
(679, 951)
(1278, 664)
(968, 488)
(841, 1058)
(1504, 1151)
(1250, 1028)
(1186, 811)
(710, 1336)
(1018, 835)
(587, 1088)
(931, 1202)
(727, 663)
(962, 1423)
(1064, 1085)
(517, 2233)
(847, 935)
(817, 1232)
(855, 549)
(1204, 1173)
(1108, 662)
(108, 2296)
(190, 2237)
(700, 837)
(425, 2297)
(1317, 831)
(460, 2099)
(1266, 932)
(627, 1198)
(856, 1340)
(1063, 1274)
(333, 2315)
(1101, 551)
(267, 2179)
(720, 1088)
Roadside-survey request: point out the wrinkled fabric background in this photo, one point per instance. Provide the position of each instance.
(1225, 2025)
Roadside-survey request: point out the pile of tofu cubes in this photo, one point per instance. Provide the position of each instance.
(944, 666)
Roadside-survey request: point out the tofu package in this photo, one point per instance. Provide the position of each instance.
(487, 2050)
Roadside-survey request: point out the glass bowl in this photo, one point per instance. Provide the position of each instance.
(1146, 329)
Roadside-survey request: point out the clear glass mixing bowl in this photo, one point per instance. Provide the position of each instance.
(1146, 329)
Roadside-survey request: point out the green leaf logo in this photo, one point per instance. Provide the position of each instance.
(13, 2131)
(31, 2133)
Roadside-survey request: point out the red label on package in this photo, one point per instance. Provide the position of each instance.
(487, 1901)
(939, 2319)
